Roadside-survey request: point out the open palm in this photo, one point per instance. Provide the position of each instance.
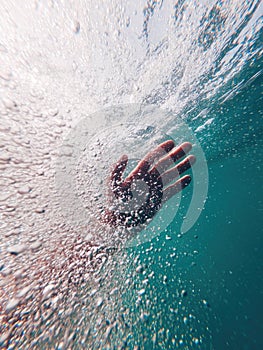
(135, 199)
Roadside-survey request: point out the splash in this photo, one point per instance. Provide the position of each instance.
(59, 62)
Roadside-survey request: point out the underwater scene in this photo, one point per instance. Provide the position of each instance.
(131, 174)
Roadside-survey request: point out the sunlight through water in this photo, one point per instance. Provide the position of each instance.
(74, 284)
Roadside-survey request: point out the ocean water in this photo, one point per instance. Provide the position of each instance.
(197, 63)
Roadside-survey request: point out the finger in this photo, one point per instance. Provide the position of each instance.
(117, 172)
(178, 186)
(179, 169)
(174, 155)
(144, 165)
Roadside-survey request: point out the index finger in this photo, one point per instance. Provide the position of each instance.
(144, 165)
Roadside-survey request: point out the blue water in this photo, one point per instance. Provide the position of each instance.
(219, 261)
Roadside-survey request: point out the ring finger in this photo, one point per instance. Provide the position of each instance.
(177, 170)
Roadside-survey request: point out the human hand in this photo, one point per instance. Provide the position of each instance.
(137, 198)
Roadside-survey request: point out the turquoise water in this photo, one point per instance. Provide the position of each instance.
(220, 258)
(231, 225)
(201, 62)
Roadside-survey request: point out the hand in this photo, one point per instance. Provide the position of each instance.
(137, 198)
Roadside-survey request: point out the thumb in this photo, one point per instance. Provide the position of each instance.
(117, 172)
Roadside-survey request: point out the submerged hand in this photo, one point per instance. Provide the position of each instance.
(137, 198)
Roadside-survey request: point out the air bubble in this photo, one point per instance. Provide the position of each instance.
(93, 292)
(183, 293)
(5, 157)
(12, 304)
(36, 245)
(9, 104)
(24, 190)
(114, 291)
(76, 27)
(99, 302)
(141, 292)
(48, 290)
(144, 316)
(40, 210)
(53, 112)
(205, 302)
(139, 269)
(196, 341)
(17, 249)
(23, 292)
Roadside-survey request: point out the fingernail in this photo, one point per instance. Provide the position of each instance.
(186, 146)
(191, 159)
(124, 158)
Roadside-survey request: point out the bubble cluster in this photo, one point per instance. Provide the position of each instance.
(71, 285)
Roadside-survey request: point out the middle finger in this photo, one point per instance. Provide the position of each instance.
(177, 170)
(179, 152)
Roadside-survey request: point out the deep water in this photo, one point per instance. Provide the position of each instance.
(220, 258)
(230, 229)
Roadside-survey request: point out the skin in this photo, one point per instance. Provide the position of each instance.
(160, 171)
